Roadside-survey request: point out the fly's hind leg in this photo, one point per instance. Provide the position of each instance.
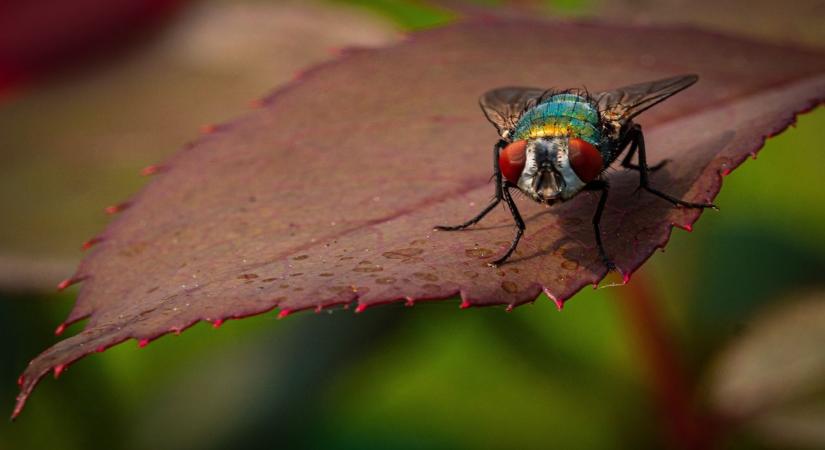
(638, 141)
(498, 197)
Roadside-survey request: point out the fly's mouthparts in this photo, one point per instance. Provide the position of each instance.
(546, 182)
(537, 180)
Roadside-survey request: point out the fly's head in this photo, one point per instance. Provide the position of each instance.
(550, 169)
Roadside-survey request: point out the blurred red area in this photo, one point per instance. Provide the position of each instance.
(39, 38)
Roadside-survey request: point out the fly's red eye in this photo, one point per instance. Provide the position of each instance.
(585, 160)
(511, 160)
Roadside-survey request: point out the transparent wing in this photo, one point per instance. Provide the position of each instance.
(627, 102)
(503, 106)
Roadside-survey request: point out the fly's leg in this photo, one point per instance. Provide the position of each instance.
(496, 149)
(600, 185)
(502, 193)
(475, 219)
(519, 226)
(627, 164)
(638, 140)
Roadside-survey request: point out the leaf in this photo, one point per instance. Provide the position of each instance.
(765, 19)
(76, 143)
(38, 37)
(328, 195)
(770, 379)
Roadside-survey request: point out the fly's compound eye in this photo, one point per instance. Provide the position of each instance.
(511, 160)
(585, 160)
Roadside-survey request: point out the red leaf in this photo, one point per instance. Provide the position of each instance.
(38, 36)
(327, 195)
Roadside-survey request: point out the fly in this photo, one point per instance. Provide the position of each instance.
(556, 144)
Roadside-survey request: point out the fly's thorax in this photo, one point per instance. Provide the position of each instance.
(548, 176)
(560, 115)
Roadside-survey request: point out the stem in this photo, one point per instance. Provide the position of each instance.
(672, 384)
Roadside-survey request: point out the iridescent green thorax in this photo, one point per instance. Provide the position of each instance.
(564, 114)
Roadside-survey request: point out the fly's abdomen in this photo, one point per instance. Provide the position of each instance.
(561, 115)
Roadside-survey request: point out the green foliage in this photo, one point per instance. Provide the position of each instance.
(408, 14)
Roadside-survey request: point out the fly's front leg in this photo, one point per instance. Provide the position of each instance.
(519, 226)
(638, 140)
(600, 185)
(496, 150)
(627, 164)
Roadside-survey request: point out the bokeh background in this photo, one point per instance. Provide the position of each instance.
(725, 330)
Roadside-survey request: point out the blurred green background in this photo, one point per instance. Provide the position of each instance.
(432, 376)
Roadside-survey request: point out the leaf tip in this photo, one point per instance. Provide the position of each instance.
(150, 170)
(465, 304)
(687, 227)
(559, 302)
(360, 308)
(18, 408)
(64, 284)
(60, 329)
(208, 128)
(217, 323)
(143, 343)
(283, 313)
(91, 243)
(626, 277)
(114, 209)
(68, 282)
(58, 370)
